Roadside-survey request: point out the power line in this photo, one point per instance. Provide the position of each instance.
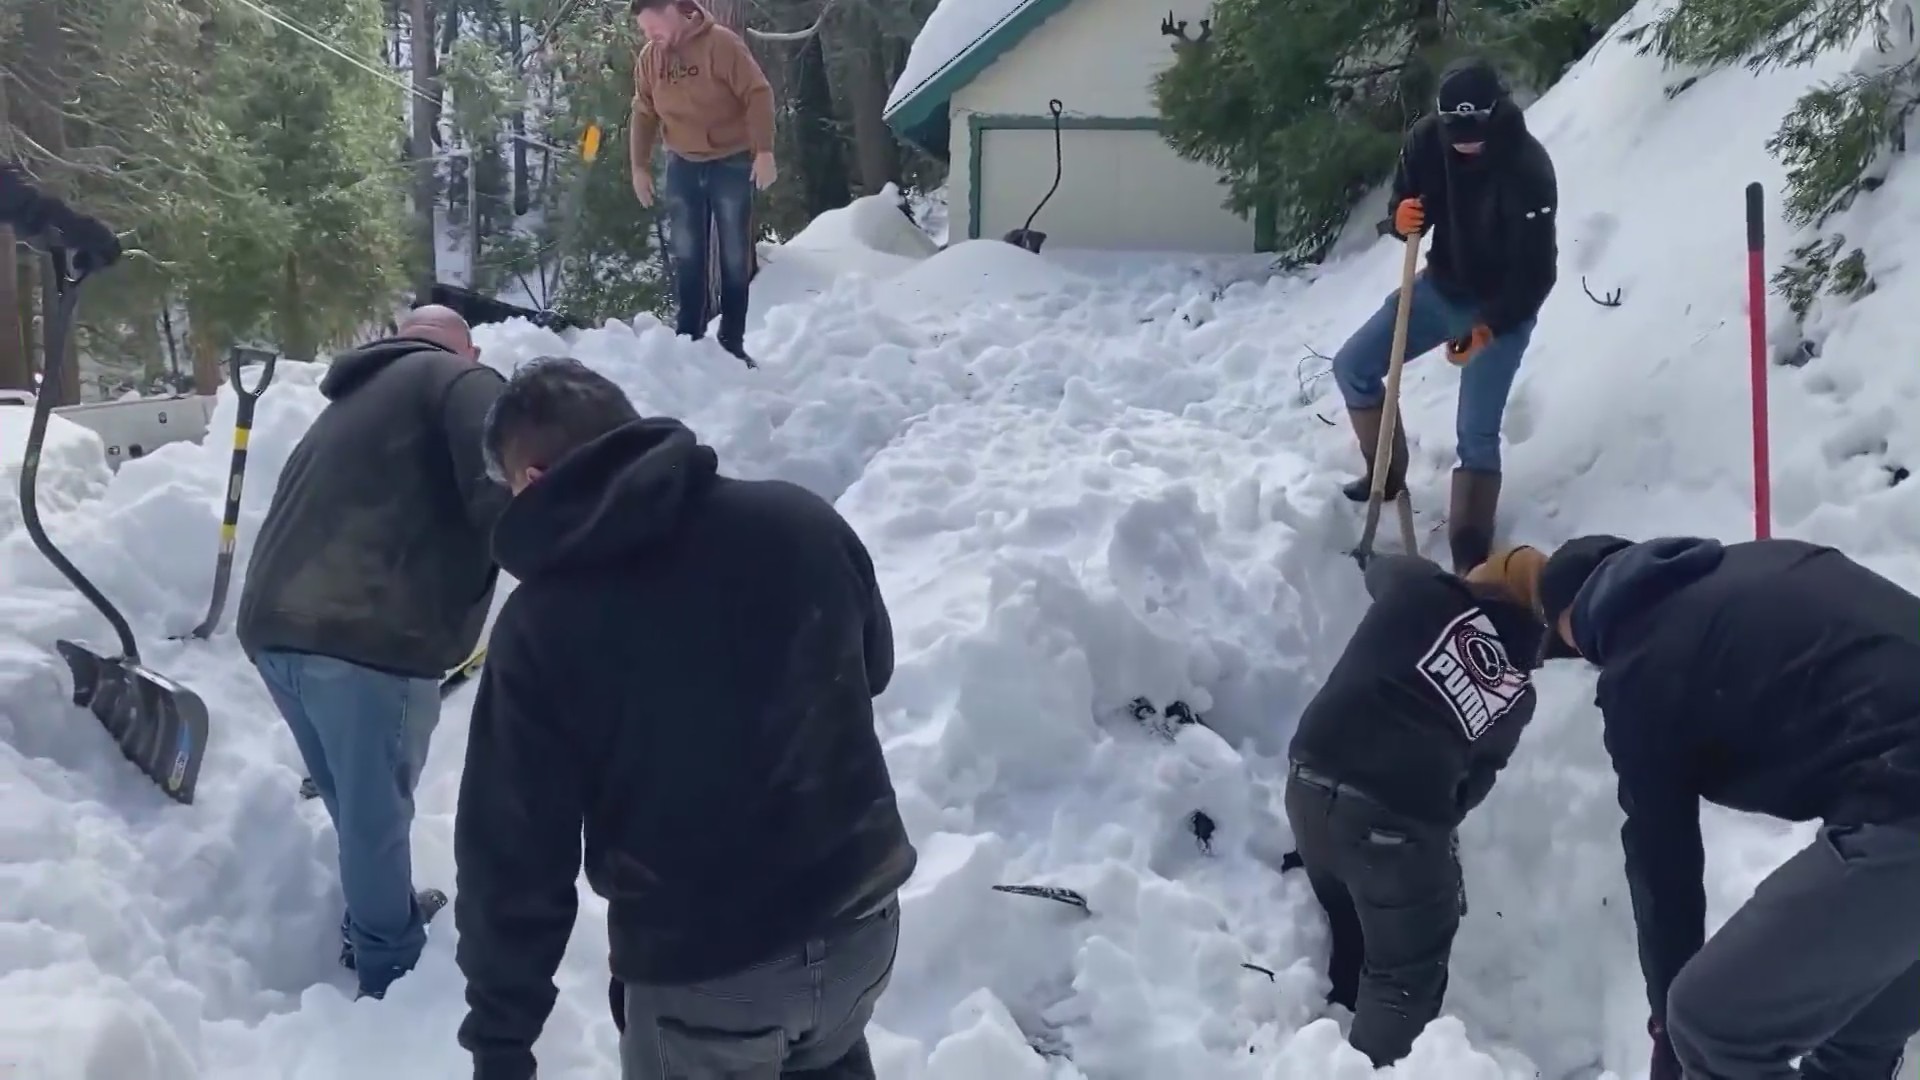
(384, 76)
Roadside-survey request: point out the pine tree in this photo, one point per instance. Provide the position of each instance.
(1302, 104)
(1837, 140)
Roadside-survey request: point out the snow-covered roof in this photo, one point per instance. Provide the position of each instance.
(961, 39)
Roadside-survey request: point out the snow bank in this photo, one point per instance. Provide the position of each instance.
(874, 222)
(73, 464)
(1091, 498)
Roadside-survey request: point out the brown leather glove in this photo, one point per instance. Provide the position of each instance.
(1462, 349)
(1410, 217)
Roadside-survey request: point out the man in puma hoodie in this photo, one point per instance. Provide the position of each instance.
(371, 577)
(1774, 677)
(685, 675)
(697, 87)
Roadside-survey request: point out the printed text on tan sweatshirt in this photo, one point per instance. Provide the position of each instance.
(703, 95)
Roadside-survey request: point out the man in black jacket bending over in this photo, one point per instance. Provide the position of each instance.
(1474, 175)
(686, 672)
(1775, 677)
(1421, 713)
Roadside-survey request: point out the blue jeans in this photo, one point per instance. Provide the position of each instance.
(721, 193)
(364, 735)
(1360, 367)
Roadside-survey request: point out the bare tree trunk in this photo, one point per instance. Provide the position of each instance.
(16, 365)
(203, 341)
(28, 270)
(295, 329)
(522, 178)
(173, 342)
(45, 83)
(822, 161)
(866, 96)
(425, 188)
(153, 359)
(473, 216)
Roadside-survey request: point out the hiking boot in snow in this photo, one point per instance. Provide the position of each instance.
(1366, 429)
(1476, 498)
(431, 902)
(739, 352)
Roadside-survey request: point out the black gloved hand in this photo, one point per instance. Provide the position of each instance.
(1666, 1065)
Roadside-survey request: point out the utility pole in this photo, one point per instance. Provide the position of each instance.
(426, 195)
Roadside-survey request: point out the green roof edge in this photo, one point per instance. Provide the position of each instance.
(931, 96)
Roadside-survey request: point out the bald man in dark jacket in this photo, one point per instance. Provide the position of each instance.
(372, 576)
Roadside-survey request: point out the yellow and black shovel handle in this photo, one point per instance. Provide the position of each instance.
(236, 477)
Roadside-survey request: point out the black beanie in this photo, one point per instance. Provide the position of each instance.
(1569, 568)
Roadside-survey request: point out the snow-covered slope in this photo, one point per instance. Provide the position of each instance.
(1081, 486)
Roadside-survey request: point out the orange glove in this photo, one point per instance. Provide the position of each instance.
(1462, 349)
(1410, 217)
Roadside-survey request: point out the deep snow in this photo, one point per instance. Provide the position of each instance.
(1084, 480)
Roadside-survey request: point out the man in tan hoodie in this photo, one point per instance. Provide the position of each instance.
(698, 89)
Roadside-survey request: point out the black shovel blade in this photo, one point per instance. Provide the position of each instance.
(1028, 239)
(159, 725)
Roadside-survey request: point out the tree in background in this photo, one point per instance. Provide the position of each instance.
(1840, 139)
(256, 155)
(1301, 104)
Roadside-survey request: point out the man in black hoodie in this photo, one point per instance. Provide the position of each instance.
(1773, 677)
(1485, 186)
(1421, 713)
(686, 672)
(370, 578)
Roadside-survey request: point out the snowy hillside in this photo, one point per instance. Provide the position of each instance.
(1083, 483)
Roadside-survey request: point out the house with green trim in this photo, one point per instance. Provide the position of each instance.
(985, 109)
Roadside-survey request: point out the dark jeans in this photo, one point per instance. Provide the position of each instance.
(1822, 960)
(720, 193)
(1391, 889)
(803, 1014)
(363, 736)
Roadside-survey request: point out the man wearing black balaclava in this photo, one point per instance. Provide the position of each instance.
(1485, 186)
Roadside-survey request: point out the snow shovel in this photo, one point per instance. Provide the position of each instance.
(453, 680)
(1389, 417)
(236, 475)
(159, 725)
(1026, 236)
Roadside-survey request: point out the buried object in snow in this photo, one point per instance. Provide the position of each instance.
(159, 725)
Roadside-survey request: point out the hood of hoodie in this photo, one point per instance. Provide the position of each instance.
(698, 21)
(351, 369)
(605, 502)
(1632, 580)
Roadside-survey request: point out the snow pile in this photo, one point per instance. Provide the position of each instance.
(869, 238)
(876, 222)
(73, 463)
(1099, 502)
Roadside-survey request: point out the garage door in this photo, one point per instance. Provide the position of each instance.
(1119, 189)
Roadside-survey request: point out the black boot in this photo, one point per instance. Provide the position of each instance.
(1366, 429)
(1476, 499)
